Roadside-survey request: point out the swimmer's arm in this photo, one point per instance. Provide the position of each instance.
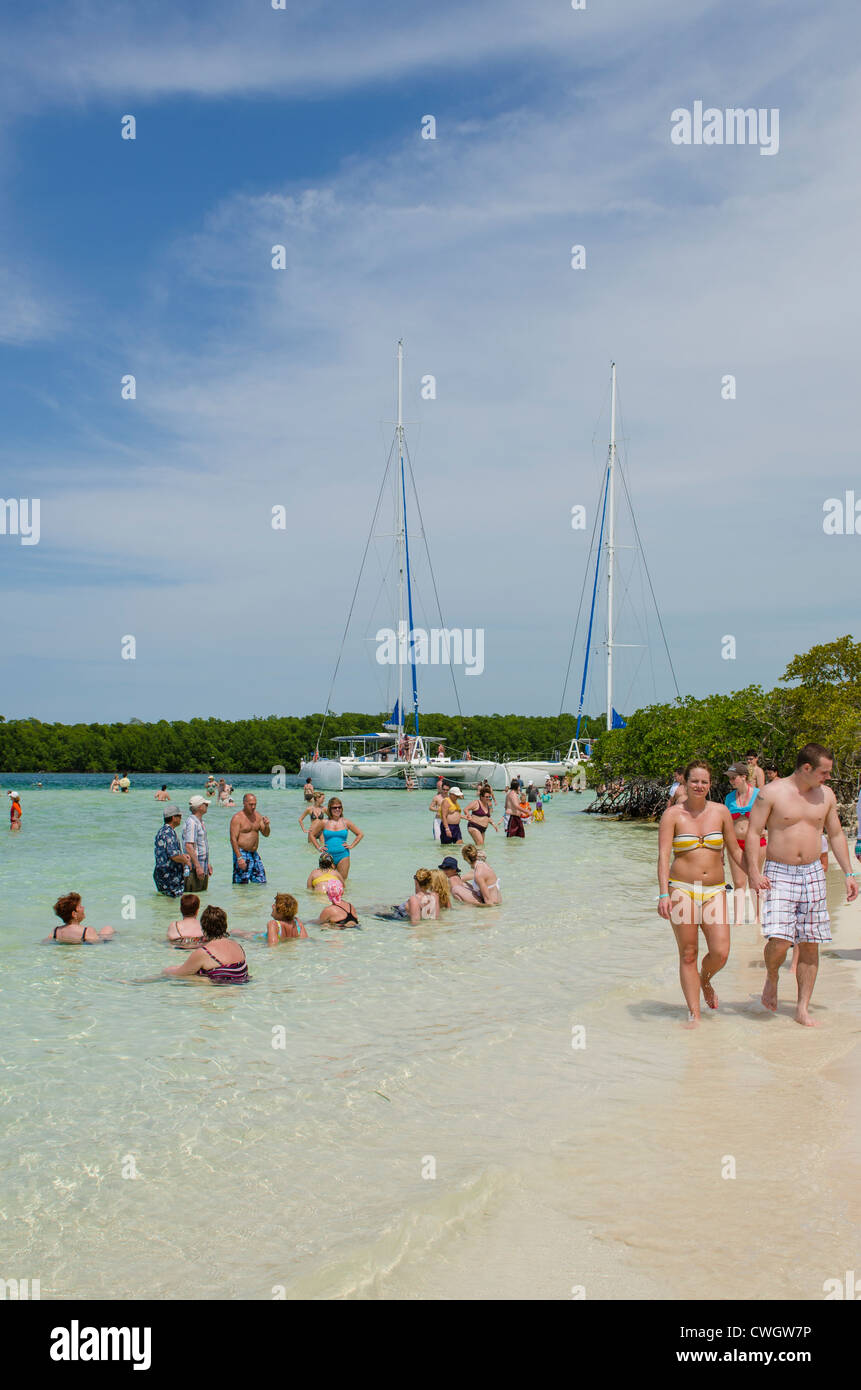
(271, 932)
(733, 848)
(315, 832)
(263, 826)
(415, 910)
(234, 836)
(190, 965)
(305, 813)
(359, 834)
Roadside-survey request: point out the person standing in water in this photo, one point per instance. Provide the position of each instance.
(246, 827)
(171, 865)
(15, 811)
(334, 831)
(692, 896)
(796, 810)
(511, 819)
(196, 845)
(450, 813)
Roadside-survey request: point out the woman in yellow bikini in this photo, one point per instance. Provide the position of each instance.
(694, 835)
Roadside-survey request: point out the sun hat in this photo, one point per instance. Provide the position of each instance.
(334, 889)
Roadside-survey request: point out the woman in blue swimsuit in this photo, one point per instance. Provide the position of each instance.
(334, 831)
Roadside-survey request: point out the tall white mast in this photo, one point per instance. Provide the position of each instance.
(611, 544)
(401, 540)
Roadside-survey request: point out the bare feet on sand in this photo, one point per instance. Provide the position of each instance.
(803, 1017)
(693, 1020)
(769, 995)
(708, 993)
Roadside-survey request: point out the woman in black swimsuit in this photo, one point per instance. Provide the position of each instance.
(478, 816)
(71, 912)
(337, 914)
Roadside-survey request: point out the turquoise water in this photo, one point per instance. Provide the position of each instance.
(427, 1082)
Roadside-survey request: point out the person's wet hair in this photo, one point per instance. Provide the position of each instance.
(189, 904)
(326, 861)
(423, 879)
(286, 907)
(213, 921)
(65, 906)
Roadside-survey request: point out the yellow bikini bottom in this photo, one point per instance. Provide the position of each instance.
(702, 893)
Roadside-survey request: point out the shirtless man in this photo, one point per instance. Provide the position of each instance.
(511, 816)
(795, 809)
(435, 805)
(246, 827)
(678, 791)
(755, 774)
(164, 794)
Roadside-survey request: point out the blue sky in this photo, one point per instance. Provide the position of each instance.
(257, 388)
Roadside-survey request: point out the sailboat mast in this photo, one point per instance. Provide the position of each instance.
(401, 542)
(611, 544)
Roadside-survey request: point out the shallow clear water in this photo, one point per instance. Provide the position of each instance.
(428, 1108)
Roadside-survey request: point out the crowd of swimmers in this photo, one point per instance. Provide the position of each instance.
(183, 868)
(776, 832)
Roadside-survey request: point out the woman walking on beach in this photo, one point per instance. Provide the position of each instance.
(334, 830)
(693, 836)
(740, 804)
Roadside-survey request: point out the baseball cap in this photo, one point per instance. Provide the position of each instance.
(449, 863)
(455, 791)
(170, 811)
(737, 770)
(197, 801)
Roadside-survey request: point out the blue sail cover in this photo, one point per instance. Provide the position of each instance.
(617, 722)
(395, 722)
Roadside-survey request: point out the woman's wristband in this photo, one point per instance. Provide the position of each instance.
(662, 895)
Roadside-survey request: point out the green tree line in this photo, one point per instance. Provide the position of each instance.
(819, 701)
(254, 745)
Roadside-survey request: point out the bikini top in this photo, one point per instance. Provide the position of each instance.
(735, 810)
(683, 843)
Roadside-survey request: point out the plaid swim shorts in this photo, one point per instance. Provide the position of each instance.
(795, 908)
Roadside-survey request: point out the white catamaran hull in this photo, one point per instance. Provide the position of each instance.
(326, 774)
(468, 773)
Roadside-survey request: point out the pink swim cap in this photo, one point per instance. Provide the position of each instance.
(334, 890)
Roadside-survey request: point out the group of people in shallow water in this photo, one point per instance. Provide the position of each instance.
(776, 834)
(216, 956)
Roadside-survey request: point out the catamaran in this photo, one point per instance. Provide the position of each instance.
(395, 752)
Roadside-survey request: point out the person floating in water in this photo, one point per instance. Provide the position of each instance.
(284, 925)
(73, 930)
(218, 959)
(187, 931)
(337, 914)
(246, 827)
